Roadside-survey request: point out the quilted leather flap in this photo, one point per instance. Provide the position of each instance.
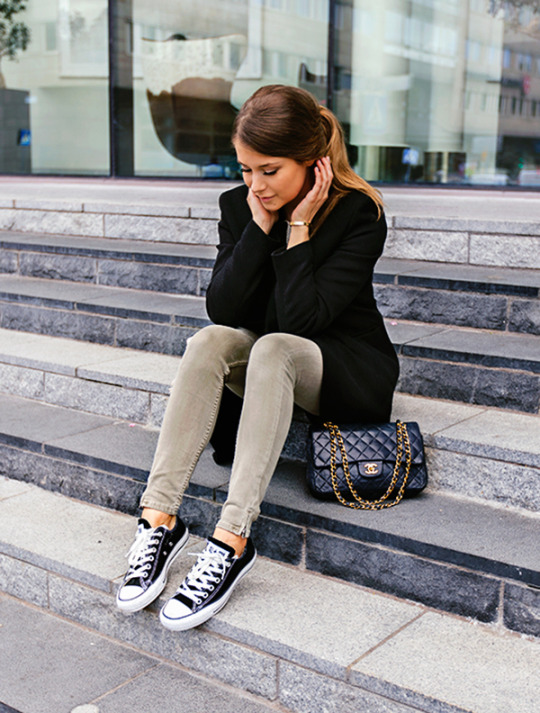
(371, 442)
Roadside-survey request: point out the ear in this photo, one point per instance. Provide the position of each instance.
(310, 162)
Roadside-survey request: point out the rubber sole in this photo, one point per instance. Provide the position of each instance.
(130, 606)
(197, 618)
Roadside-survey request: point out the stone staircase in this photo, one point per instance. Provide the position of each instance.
(90, 334)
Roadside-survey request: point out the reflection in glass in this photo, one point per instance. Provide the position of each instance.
(63, 75)
(195, 66)
(440, 92)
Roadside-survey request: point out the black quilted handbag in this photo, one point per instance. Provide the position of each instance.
(366, 467)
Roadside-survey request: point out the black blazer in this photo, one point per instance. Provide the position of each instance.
(320, 289)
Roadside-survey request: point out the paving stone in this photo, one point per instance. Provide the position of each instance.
(508, 250)
(330, 644)
(20, 381)
(173, 230)
(492, 480)
(158, 404)
(8, 261)
(56, 293)
(444, 587)
(224, 660)
(433, 415)
(278, 540)
(525, 317)
(72, 206)
(522, 609)
(12, 488)
(493, 434)
(443, 658)
(443, 307)
(402, 333)
(135, 370)
(78, 667)
(449, 276)
(144, 276)
(303, 691)
(176, 211)
(24, 581)
(58, 267)
(55, 222)
(469, 384)
(129, 450)
(425, 377)
(98, 398)
(427, 245)
(29, 423)
(162, 338)
(57, 322)
(511, 351)
(185, 693)
(88, 484)
(508, 390)
(207, 212)
(53, 354)
(44, 536)
(131, 250)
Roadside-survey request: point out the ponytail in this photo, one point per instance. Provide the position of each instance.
(345, 179)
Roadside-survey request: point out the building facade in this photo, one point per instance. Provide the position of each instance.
(428, 91)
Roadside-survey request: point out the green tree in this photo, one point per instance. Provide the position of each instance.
(14, 36)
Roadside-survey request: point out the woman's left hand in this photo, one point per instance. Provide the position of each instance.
(314, 199)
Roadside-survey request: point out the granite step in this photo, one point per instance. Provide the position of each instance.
(363, 650)
(497, 230)
(475, 296)
(465, 544)
(443, 361)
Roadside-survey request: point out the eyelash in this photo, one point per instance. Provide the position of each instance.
(265, 173)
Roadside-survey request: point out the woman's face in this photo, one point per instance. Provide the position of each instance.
(276, 180)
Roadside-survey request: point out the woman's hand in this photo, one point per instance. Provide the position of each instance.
(314, 199)
(265, 219)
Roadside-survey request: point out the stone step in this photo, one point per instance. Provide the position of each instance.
(288, 635)
(474, 296)
(121, 383)
(476, 525)
(458, 363)
(479, 237)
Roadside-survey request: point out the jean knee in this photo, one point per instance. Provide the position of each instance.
(270, 352)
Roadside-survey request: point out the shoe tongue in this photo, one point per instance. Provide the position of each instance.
(144, 523)
(218, 546)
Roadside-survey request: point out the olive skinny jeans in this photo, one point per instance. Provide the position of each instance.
(271, 373)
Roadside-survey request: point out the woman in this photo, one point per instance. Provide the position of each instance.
(295, 322)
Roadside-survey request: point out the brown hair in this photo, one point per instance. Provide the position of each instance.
(279, 120)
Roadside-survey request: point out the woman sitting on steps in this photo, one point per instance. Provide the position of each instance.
(295, 321)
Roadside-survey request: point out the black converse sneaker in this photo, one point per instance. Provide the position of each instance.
(208, 586)
(149, 558)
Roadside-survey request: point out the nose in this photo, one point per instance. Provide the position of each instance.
(258, 184)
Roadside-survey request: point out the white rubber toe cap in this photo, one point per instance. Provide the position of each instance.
(175, 610)
(129, 593)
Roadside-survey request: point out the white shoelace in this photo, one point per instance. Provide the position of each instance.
(207, 572)
(142, 551)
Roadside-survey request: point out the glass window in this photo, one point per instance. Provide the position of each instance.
(55, 107)
(440, 79)
(201, 61)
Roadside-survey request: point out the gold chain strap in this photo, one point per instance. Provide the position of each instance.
(402, 438)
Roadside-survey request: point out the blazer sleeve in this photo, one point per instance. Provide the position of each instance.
(309, 298)
(243, 257)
